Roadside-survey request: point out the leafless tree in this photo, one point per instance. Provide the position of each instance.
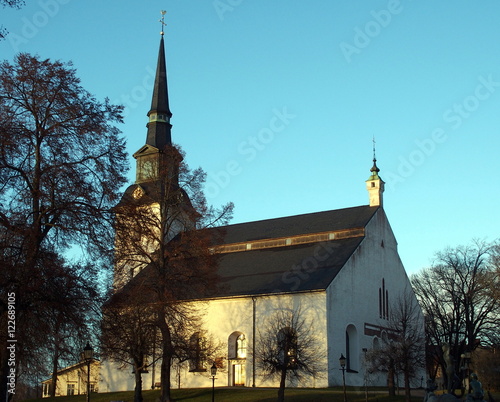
(287, 348)
(402, 349)
(487, 367)
(62, 163)
(459, 297)
(129, 336)
(164, 234)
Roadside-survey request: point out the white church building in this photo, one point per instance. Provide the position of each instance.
(341, 268)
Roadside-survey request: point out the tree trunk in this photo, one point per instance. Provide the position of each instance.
(166, 358)
(55, 361)
(165, 374)
(138, 384)
(390, 381)
(53, 385)
(281, 390)
(407, 385)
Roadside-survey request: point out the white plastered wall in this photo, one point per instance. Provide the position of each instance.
(353, 301)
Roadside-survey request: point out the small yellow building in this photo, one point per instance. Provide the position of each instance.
(72, 380)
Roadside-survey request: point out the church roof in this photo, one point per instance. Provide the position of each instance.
(284, 270)
(290, 254)
(283, 255)
(346, 218)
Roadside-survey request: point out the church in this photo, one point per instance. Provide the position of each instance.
(341, 268)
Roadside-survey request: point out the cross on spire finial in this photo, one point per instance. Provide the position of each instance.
(162, 21)
(374, 168)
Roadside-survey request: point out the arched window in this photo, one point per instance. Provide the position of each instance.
(237, 346)
(383, 301)
(352, 348)
(241, 347)
(197, 353)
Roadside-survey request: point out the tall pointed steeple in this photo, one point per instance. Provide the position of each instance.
(159, 127)
(374, 184)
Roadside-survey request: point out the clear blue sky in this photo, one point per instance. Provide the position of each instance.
(279, 100)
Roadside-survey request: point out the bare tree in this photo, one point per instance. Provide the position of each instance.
(487, 367)
(163, 250)
(129, 338)
(402, 349)
(287, 348)
(459, 298)
(62, 164)
(69, 312)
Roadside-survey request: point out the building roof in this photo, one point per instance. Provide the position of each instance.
(284, 269)
(283, 255)
(316, 222)
(290, 254)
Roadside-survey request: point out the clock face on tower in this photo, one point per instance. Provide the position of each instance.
(148, 169)
(138, 193)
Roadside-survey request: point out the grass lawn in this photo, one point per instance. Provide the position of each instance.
(246, 395)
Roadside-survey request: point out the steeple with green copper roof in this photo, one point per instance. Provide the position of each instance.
(374, 184)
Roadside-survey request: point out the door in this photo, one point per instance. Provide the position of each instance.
(238, 375)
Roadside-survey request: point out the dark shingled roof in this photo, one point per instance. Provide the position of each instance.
(304, 267)
(338, 219)
(284, 269)
(293, 268)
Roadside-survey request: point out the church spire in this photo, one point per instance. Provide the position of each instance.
(374, 184)
(159, 127)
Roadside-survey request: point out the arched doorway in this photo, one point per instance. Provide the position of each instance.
(237, 356)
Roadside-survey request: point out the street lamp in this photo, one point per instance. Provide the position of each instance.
(88, 354)
(342, 367)
(464, 366)
(365, 350)
(213, 371)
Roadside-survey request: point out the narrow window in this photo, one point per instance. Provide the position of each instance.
(197, 353)
(380, 302)
(387, 304)
(383, 298)
(241, 347)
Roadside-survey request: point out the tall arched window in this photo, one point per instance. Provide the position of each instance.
(237, 346)
(241, 347)
(383, 301)
(197, 353)
(352, 348)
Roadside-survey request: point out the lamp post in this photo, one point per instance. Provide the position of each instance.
(342, 367)
(88, 354)
(213, 371)
(466, 358)
(365, 350)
